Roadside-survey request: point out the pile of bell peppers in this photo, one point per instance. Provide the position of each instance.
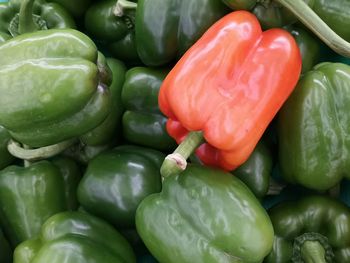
(174, 131)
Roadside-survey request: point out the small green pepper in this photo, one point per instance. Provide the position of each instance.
(143, 123)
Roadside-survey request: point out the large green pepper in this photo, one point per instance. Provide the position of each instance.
(51, 88)
(22, 16)
(313, 128)
(165, 29)
(75, 237)
(115, 31)
(143, 123)
(28, 197)
(5, 157)
(116, 182)
(204, 215)
(109, 129)
(312, 229)
(329, 20)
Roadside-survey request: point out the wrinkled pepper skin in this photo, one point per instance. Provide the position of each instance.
(28, 197)
(109, 129)
(204, 215)
(5, 250)
(143, 123)
(116, 33)
(313, 128)
(52, 16)
(116, 181)
(75, 237)
(58, 67)
(312, 214)
(5, 157)
(257, 170)
(229, 86)
(176, 29)
(77, 7)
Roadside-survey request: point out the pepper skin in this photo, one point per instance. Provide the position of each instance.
(42, 71)
(75, 237)
(311, 218)
(116, 182)
(179, 24)
(204, 215)
(143, 123)
(230, 85)
(109, 129)
(313, 128)
(46, 16)
(28, 197)
(5, 157)
(116, 33)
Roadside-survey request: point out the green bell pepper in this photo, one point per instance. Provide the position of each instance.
(143, 123)
(5, 250)
(116, 181)
(24, 16)
(115, 31)
(257, 170)
(28, 197)
(5, 157)
(109, 129)
(313, 128)
(312, 229)
(165, 29)
(75, 237)
(204, 215)
(51, 88)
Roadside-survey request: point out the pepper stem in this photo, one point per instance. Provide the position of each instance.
(26, 23)
(176, 162)
(312, 248)
(310, 19)
(37, 154)
(122, 5)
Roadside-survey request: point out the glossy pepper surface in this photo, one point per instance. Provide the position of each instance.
(313, 128)
(40, 73)
(143, 123)
(204, 215)
(75, 237)
(5, 157)
(312, 229)
(229, 85)
(114, 31)
(116, 181)
(165, 29)
(39, 14)
(28, 197)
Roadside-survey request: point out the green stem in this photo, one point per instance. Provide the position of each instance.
(310, 19)
(313, 252)
(122, 6)
(26, 22)
(176, 162)
(37, 154)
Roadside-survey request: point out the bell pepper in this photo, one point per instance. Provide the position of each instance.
(114, 31)
(204, 215)
(5, 250)
(312, 229)
(227, 88)
(313, 128)
(75, 237)
(165, 29)
(329, 20)
(143, 123)
(116, 181)
(110, 127)
(44, 70)
(257, 170)
(23, 16)
(28, 197)
(5, 157)
(77, 7)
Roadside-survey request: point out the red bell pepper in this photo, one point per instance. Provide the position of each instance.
(228, 87)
